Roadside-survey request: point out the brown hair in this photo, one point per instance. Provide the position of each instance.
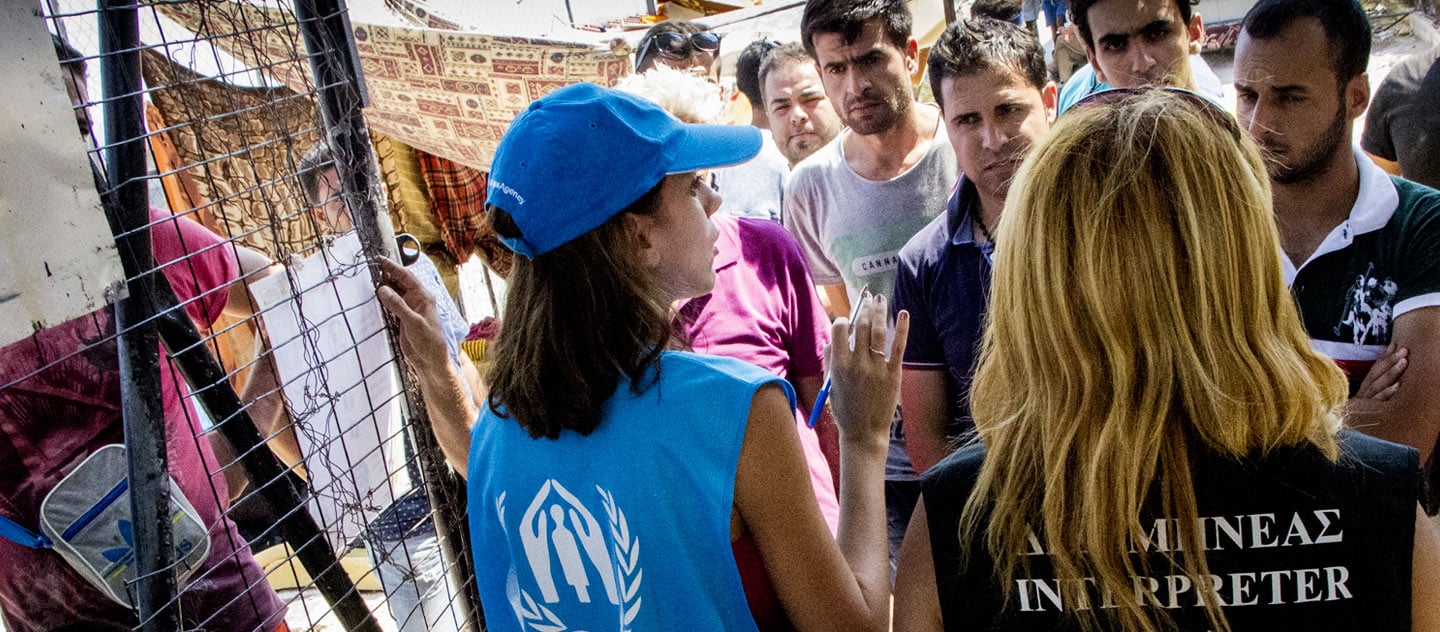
(848, 17)
(577, 319)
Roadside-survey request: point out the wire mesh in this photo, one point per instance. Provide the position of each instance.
(259, 245)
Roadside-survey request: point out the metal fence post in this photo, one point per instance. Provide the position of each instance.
(128, 202)
(340, 88)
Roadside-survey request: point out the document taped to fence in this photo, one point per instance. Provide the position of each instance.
(340, 384)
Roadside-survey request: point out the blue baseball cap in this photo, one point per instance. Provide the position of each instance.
(578, 156)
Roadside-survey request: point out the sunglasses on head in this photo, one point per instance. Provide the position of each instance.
(767, 45)
(674, 45)
(1202, 102)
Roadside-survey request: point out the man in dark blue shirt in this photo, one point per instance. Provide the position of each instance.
(989, 79)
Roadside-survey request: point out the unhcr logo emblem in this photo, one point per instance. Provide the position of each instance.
(567, 549)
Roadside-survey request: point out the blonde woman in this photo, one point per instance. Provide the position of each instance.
(1161, 448)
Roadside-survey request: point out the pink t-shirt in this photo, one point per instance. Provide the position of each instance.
(764, 310)
(52, 419)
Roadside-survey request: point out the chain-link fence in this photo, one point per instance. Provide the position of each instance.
(277, 471)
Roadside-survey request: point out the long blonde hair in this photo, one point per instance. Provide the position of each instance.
(1138, 316)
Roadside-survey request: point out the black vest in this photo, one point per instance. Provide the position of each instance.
(1294, 542)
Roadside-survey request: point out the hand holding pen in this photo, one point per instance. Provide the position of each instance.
(824, 393)
(865, 376)
(865, 372)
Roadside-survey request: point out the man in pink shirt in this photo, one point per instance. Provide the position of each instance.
(765, 310)
(60, 401)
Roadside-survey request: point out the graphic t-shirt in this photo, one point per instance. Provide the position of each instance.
(851, 229)
(1380, 263)
(1293, 542)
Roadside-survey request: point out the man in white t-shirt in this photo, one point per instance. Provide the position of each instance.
(854, 203)
(401, 540)
(756, 187)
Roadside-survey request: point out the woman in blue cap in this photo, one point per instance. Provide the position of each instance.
(613, 480)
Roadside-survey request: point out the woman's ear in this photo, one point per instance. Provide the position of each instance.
(640, 228)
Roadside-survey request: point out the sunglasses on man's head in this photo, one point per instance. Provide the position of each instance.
(674, 45)
(1204, 103)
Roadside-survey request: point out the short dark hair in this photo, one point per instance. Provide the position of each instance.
(978, 44)
(848, 18)
(1347, 29)
(69, 56)
(1080, 14)
(1003, 10)
(747, 69)
(317, 160)
(685, 27)
(783, 56)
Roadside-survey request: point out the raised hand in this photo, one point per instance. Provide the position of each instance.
(865, 375)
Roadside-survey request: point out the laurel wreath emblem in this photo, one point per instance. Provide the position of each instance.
(627, 557)
(538, 617)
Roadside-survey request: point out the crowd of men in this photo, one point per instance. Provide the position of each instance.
(879, 193)
(889, 195)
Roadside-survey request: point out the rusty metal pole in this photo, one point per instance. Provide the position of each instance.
(127, 201)
(341, 96)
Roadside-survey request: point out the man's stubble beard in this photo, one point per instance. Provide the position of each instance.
(1313, 163)
(897, 114)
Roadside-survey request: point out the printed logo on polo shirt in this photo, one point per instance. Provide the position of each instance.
(571, 560)
(1367, 312)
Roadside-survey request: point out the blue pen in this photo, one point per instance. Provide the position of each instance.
(824, 393)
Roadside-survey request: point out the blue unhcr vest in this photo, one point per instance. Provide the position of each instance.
(627, 528)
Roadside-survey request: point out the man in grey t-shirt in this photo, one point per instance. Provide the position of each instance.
(853, 204)
(1402, 128)
(851, 227)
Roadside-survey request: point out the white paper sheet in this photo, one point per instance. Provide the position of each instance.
(339, 378)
